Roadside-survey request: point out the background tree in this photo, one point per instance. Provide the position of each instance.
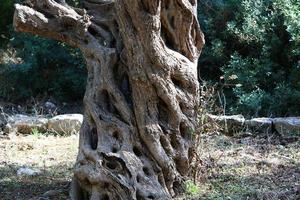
(240, 35)
(254, 46)
(31, 66)
(141, 93)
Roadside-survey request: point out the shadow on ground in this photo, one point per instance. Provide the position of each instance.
(265, 167)
(53, 156)
(25, 187)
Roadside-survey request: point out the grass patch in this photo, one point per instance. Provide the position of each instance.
(262, 167)
(53, 156)
(247, 168)
(192, 188)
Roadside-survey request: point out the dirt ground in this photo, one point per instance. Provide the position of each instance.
(53, 156)
(265, 167)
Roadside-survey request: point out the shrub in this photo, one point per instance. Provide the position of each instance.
(255, 47)
(42, 68)
(31, 66)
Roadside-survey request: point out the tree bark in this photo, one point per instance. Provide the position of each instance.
(141, 93)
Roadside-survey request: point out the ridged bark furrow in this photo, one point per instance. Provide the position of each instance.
(141, 94)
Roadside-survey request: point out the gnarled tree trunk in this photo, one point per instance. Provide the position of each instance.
(141, 94)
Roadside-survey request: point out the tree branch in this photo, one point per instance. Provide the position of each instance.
(52, 20)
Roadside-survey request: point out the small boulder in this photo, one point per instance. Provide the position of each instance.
(25, 124)
(65, 124)
(24, 171)
(261, 125)
(230, 124)
(50, 108)
(50, 105)
(287, 125)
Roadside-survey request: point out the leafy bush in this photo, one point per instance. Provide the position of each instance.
(42, 67)
(254, 46)
(31, 66)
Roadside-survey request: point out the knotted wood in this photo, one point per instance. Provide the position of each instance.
(141, 93)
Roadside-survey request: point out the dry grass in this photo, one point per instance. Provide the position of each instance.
(53, 156)
(264, 167)
(231, 168)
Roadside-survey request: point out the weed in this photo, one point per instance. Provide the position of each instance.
(35, 132)
(192, 188)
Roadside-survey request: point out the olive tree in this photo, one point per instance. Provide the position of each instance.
(141, 94)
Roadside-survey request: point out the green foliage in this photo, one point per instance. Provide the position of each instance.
(31, 66)
(6, 10)
(191, 188)
(35, 132)
(6, 15)
(255, 47)
(43, 67)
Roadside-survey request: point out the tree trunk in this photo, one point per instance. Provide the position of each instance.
(141, 93)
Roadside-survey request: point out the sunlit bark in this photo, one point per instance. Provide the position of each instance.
(141, 94)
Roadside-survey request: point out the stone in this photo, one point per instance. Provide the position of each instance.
(65, 124)
(50, 105)
(237, 123)
(53, 193)
(27, 172)
(261, 125)
(25, 124)
(230, 124)
(287, 125)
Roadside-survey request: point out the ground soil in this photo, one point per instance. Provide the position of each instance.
(53, 156)
(248, 167)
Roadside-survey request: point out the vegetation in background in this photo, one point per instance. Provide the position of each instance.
(6, 10)
(253, 51)
(41, 67)
(31, 66)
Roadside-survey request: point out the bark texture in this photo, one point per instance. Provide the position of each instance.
(141, 94)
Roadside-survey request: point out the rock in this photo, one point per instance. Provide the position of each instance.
(50, 105)
(53, 193)
(287, 125)
(27, 172)
(239, 119)
(230, 124)
(237, 123)
(262, 125)
(25, 124)
(65, 124)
